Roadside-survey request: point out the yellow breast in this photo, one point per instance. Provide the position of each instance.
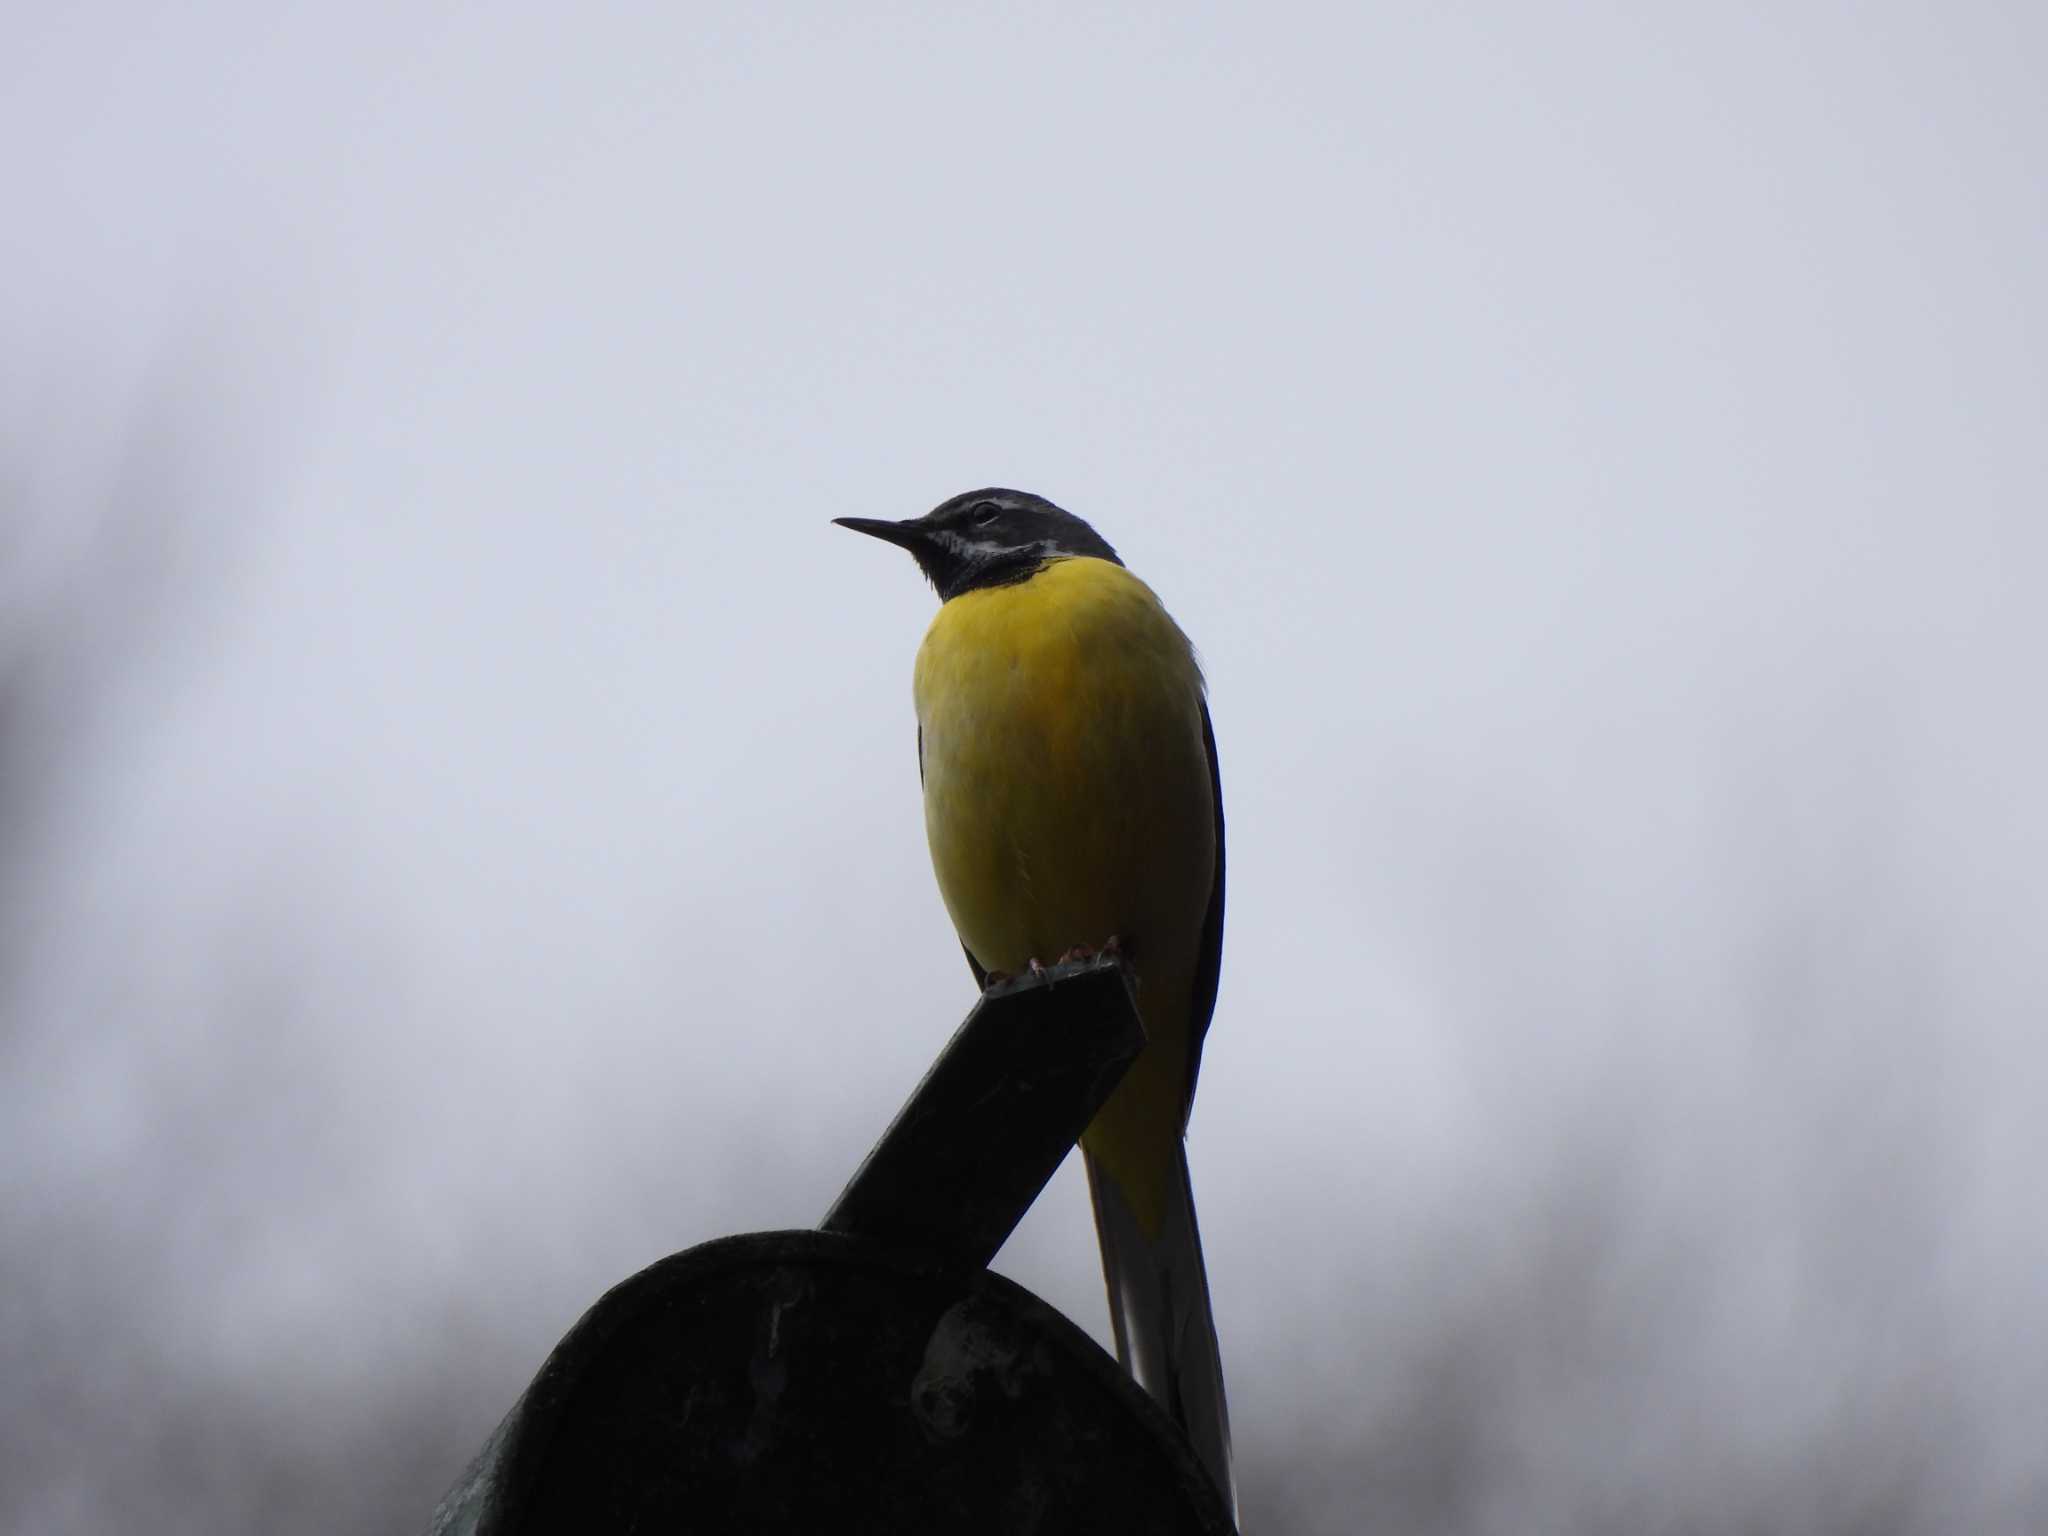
(1067, 791)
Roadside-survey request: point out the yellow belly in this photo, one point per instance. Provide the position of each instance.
(1067, 798)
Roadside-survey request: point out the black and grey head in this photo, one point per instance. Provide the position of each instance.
(987, 539)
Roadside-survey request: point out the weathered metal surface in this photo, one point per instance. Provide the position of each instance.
(870, 1377)
(999, 1110)
(815, 1382)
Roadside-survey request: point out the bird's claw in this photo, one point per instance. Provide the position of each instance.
(990, 980)
(1111, 949)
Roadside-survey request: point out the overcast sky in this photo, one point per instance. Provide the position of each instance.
(459, 826)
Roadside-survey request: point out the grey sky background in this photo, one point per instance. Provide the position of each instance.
(459, 833)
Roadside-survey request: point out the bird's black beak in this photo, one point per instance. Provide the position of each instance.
(908, 535)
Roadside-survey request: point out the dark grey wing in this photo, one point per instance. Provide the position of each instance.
(980, 975)
(1209, 966)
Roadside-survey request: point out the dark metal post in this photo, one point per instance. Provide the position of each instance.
(999, 1110)
(872, 1376)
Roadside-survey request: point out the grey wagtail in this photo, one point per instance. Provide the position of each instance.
(1071, 799)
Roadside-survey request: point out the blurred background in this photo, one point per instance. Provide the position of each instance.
(459, 826)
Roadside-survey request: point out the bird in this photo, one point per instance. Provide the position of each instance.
(1072, 802)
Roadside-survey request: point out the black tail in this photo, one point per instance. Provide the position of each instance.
(1159, 1307)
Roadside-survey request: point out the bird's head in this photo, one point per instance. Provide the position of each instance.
(986, 539)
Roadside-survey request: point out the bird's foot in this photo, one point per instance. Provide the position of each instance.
(1033, 968)
(1037, 970)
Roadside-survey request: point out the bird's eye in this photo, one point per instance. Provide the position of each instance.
(982, 513)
